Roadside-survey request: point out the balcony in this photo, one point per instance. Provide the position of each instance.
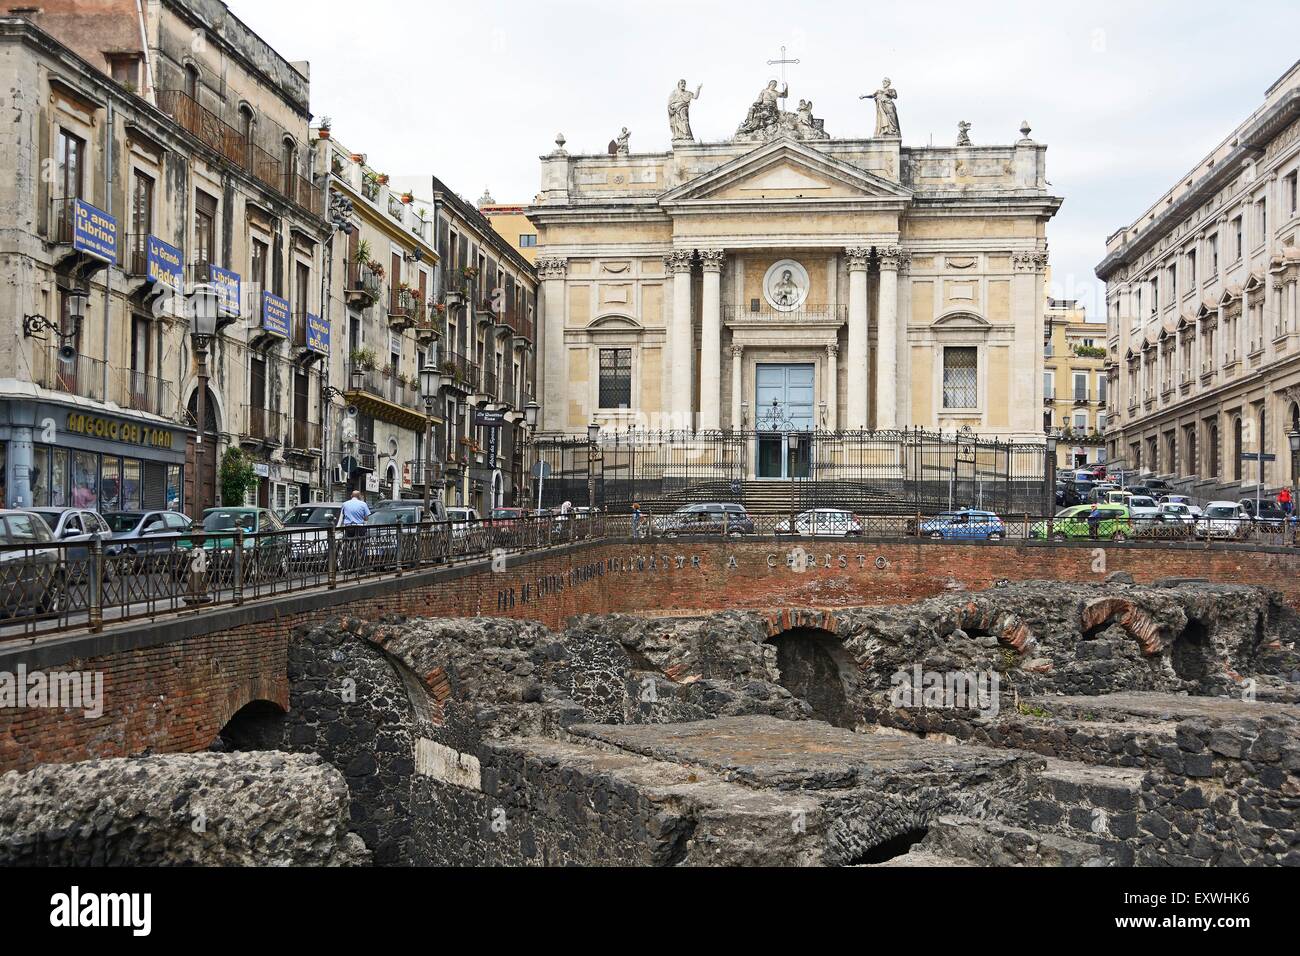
(417, 467)
(230, 143)
(78, 375)
(806, 313)
(263, 425)
(146, 393)
(364, 286)
(405, 309)
(388, 396)
(489, 382)
(462, 374)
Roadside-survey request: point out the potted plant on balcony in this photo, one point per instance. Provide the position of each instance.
(382, 179)
(408, 198)
(325, 124)
(376, 267)
(362, 255)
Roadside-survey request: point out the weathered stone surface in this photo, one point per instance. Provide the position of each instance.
(254, 809)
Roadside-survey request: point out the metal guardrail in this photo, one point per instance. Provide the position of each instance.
(55, 587)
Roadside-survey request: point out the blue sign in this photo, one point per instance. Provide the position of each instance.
(318, 334)
(94, 231)
(275, 315)
(228, 291)
(166, 264)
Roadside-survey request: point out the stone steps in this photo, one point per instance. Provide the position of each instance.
(990, 843)
(1076, 799)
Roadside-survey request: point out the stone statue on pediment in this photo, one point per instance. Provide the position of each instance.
(886, 111)
(766, 120)
(963, 133)
(679, 112)
(765, 113)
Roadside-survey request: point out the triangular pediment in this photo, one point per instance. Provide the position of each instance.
(786, 170)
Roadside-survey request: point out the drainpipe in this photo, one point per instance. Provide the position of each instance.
(150, 93)
(327, 283)
(108, 204)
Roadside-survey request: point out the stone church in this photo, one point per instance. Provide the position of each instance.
(790, 281)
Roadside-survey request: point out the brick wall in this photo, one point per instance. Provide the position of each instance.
(172, 686)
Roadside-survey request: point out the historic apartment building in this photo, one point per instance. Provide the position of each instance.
(787, 280)
(1075, 384)
(153, 147)
(511, 222)
(1204, 334)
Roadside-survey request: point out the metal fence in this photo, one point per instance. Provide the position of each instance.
(876, 472)
(51, 587)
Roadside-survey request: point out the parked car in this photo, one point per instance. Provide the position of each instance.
(75, 526)
(1270, 516)
(308, 526)
(463, 520)
(33, 578)
(139, 536)
(1223, 520)
(265, 555)
(965, 524)
(1158, 486)
(1181, 500)
(437, 510)
(396, 530)
(1177, 512)
(1143, 510)
(1073, 523)
(823, 522)
(706, 519)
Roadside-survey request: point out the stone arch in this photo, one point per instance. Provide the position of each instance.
(813, 665)
(255, 726)
(980, 620)
(1102, 613)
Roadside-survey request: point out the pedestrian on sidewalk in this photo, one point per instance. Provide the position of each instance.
(636, 520)
(1094, 520)
(1285, 502)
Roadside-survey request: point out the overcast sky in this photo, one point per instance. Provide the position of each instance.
(1127, 95)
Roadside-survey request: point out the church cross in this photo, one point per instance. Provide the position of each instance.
(782, 62)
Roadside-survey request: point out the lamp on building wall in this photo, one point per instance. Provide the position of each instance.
(202, 309)
(531, 412)
(77, 300)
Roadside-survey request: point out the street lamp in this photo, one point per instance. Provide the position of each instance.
(1293, 437)
(531, 411)
(1052, 439)
(430, 386)
(202, 308)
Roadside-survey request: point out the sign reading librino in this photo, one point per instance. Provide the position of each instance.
(275, 315)
(228, 291)
(94, 231)
(166, 266)
(318, 334)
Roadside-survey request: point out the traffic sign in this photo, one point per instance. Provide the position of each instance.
(1256, 456)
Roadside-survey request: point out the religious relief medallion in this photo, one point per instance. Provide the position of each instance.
(786, 286)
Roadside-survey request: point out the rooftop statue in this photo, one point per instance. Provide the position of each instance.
(679, 112)
(766, 121)
(886, 112)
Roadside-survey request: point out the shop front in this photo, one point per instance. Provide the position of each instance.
(55, 456)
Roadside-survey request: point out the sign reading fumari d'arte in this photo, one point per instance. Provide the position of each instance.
(275, 315)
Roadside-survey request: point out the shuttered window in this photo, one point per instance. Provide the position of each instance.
(960, 377)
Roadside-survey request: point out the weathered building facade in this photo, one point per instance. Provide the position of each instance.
(1075, 385)
(1204, 333)
(157, 147)
(830, 283)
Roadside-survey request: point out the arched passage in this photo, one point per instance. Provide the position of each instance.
(258, 725)
(814, 666)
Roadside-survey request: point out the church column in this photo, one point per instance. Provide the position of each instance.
(711, 341)
(832, 387)
(681, 339)
(857, 384)
(737, 370)
(887, 339)
(555, 365)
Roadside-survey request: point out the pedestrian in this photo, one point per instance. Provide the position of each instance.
(1094, 520)
(636, 519)
(1285, 502)
(355, 513)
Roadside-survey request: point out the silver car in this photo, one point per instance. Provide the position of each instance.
(32, 577)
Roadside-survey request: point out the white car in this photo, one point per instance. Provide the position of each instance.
(1176, 512)
(829, 522)
(1223, 519)
(1143, 511)
(463, 520)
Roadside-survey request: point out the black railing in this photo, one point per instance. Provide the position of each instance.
(53, 586)
(874, 471)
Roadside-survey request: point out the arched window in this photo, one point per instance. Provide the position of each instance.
(288, 164)
(1212, 441)
(246, 124)
(192, 81)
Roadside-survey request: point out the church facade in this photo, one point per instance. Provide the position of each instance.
(790, 281)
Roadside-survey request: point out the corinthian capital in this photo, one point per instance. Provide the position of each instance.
(858, 258)
(552, 268)
(890, 256)
(1029, 261)
(711, 260)
(678, 261)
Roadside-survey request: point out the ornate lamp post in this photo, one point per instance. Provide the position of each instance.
(593, 436)
(1050, 471)
(430, 386)
(1293, 437)
(203, 326)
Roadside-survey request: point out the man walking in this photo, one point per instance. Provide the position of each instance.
(1094, 520)
(636, 520)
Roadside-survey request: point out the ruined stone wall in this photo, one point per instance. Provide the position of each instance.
(179, 810)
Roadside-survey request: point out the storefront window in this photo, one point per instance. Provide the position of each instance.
(85, 480)
(131, 487)
(58, 478)
(110, 487)
(174, 500)
(40, 477)
(4, 476)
